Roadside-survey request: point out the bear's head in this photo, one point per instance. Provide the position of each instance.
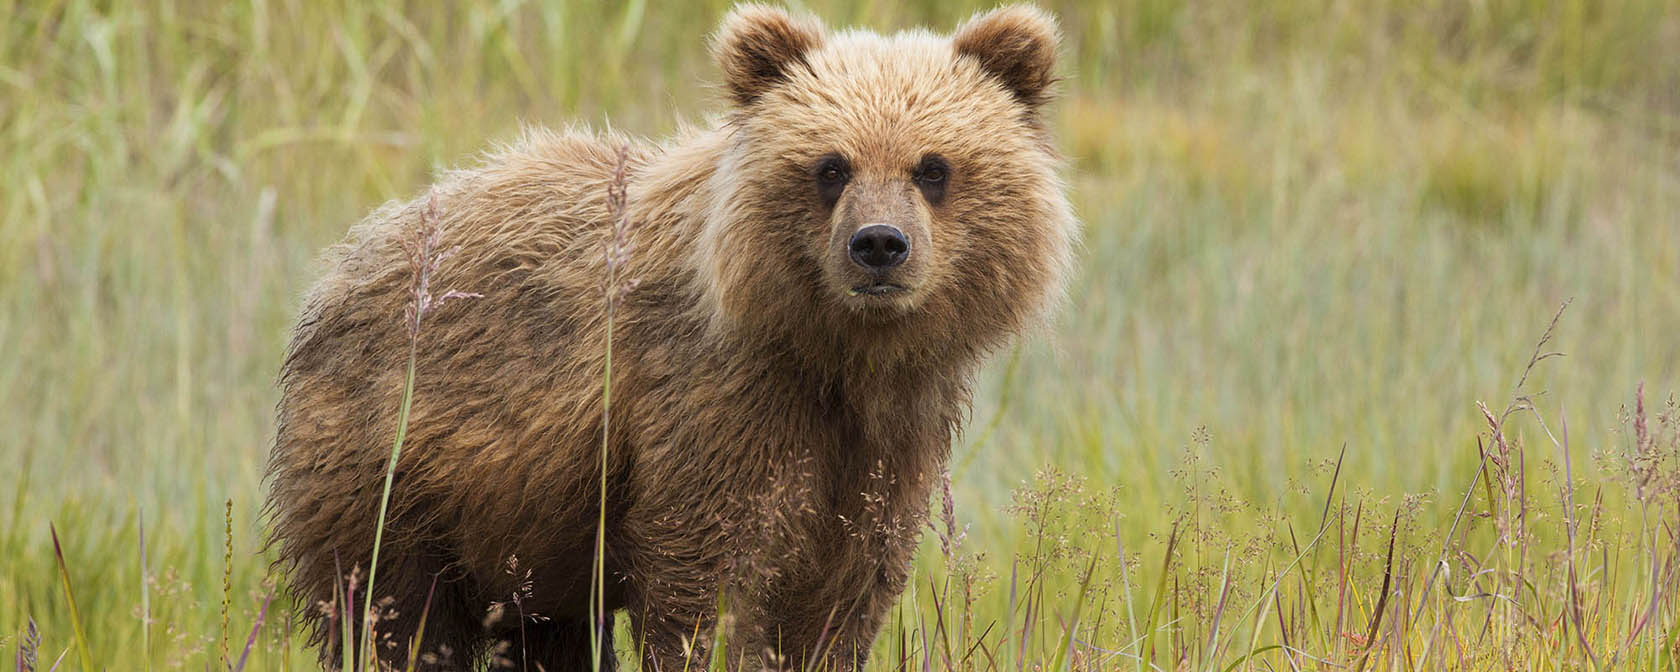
(886, 198)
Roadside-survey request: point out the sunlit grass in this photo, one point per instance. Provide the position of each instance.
(1310, 225)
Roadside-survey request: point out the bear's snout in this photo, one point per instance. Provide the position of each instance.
(880, 244)
(878, 247)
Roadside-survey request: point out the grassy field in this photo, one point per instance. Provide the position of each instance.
(1318, 233)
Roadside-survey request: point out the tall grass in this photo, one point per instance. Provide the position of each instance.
(615, 286)
(1310, 225)
(425, 253)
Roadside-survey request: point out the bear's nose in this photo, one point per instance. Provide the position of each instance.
(879, 247)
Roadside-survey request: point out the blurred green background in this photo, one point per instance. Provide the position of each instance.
(1308, 223)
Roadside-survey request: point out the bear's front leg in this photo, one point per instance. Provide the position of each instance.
(830, 617)
(674, 626)
(689, 561)
(671, 596)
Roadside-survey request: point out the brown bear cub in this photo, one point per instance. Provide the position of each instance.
(817, 279)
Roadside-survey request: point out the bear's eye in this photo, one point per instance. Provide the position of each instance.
(931, 177)
(832, 173)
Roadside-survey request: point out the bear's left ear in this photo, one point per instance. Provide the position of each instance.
(756, 45)
(1017, 45)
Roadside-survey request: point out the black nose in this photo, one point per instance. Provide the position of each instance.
(879, 247)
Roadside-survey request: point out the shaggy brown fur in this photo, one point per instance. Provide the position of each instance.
(779, 412)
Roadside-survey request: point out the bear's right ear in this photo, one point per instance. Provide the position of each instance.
(756, 46)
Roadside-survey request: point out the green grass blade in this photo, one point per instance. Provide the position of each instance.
(1062, 653)
(384, 504)
(1126, 589)
(420, 630)
(1159, 600)
(1250, 655)
(70, 598)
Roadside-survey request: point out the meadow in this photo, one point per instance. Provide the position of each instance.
(1293, 416)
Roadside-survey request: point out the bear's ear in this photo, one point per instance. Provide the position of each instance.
(756, 45)
(1017, 45)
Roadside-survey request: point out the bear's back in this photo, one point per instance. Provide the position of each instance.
(514, 367)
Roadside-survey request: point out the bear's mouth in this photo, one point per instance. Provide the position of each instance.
(875, 289)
